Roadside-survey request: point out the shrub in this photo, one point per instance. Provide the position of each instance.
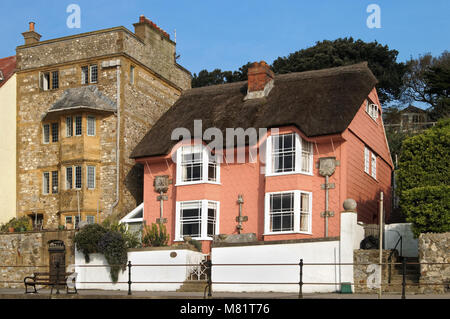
(428, 208)
(111, 243)
(87, 239)
(155, 236)
(132, 240)
(423, 179)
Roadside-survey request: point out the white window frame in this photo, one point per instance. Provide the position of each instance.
(298, 157)
(90, 217)
(205, 166)
(91, 67)
(374, 166)
(372, 109)
(204, 204)
(366, 160)
(91, 125)
(87, 176)
(297, 213)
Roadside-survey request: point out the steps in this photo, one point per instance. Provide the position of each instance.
(193, 286)
(412, 277)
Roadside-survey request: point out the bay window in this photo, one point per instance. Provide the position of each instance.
(197, 219)
(288, 154)
(196, 165)
(288, 212)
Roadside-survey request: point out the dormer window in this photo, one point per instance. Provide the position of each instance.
(372, 109)
(195, 165)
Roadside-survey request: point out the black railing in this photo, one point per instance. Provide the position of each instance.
(400, 240)
(209, 270)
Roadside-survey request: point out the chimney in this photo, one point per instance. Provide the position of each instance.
(260, 80)
(144, 25)
(31, 36)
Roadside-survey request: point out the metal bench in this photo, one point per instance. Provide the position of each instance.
(45, 279)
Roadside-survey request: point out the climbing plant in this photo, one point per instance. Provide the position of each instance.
(110, 242)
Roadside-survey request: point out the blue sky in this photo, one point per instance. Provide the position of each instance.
(227, 34)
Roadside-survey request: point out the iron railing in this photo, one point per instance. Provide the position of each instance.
(208, 291)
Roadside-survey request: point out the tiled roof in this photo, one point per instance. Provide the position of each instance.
(7, 68)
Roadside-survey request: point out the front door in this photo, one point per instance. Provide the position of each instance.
(57, 258)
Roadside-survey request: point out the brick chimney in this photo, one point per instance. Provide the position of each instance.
(141, 29)
(260, 80)
(31, 36)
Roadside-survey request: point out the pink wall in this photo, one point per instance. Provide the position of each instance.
(349, 178)
(362, 187)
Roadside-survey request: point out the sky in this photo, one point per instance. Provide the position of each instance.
(228, 34)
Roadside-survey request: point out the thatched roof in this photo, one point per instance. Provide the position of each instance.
(318, 103)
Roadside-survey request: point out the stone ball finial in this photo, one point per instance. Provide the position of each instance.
(350, 205)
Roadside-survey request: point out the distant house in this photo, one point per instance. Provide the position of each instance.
(8, 90)
(408, 119)
(329, 129)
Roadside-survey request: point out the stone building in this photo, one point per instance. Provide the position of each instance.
(83, 103)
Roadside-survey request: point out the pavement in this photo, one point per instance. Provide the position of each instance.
(6, 293)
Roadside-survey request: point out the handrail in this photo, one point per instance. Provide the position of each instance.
(400, 240)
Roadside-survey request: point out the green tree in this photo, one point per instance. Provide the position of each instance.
(344, 51)
(423, 179)
(427, 80)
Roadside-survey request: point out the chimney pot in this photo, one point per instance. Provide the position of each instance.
(32, 26)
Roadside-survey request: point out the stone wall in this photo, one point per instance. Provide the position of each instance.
(363, 271)
(29, 249)
(434, 248)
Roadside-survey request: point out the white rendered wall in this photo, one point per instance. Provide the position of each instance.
(8, 150)
(316, 278)
(410, 246)
(152, 274)
(310, 252)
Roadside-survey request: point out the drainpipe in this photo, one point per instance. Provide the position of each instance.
(117, 139)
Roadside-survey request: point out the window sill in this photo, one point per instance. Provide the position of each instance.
(195, 238)
(289, 173)
(195, 183)
(287, 233)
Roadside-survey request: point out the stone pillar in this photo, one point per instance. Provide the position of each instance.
(350, 237)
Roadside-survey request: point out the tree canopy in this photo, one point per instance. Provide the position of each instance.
(327, 54)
